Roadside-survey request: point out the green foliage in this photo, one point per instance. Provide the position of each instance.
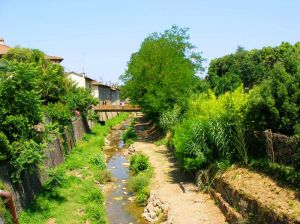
(162, 72)
(79, 99)
(170, 118)
(162, 141)
(4, 146)
(59, 113)
(55, 179)
(32, 88)
(275, 103)
(139, 182)
(139, 163)
(239, 142)
(207, 131)
(4, 213)
(103, 176)
(98, 161)
(253, 66)
(142, 197)
(129, 136)
(78, 189)
(27, 155)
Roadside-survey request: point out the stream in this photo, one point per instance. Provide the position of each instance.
(120, 206)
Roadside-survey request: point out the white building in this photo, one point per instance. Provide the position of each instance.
(80, 79)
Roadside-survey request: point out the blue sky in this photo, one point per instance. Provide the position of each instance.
(101, 35)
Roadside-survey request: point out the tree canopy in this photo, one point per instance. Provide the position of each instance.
(163, 72)
(32, 88)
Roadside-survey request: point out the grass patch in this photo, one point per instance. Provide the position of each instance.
(71, 195)
(162, 141)
(139, 182)
(130, 136)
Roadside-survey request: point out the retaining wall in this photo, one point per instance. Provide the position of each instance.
(31, 183)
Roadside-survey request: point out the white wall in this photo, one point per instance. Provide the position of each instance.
(78, 79)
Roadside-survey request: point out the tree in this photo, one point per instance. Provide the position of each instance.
(163, 72)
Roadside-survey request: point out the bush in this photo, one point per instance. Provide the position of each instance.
(59, 113)
(4, 213)
(98, 161)
(139, 163)
(139, 182)
(207, 132)
(55, 179)
(129, 135)
(103, 176)
(170, 118)
(142, 197)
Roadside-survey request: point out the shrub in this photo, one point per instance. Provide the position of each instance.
(59, 113)
(27, 155)
(142, 197)
(4, 213)
(103, 176)
(170, 118)
(139, 182)
(98, 161)
(208, 131)
(138, 163)
(129, 135)
(55, 178)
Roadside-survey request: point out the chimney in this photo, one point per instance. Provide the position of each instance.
(1, 41)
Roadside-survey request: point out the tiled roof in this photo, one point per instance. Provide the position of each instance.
(3, 49)
(54, 58)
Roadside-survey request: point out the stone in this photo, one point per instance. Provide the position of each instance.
(157, 209)
(145, 215)
(152, 215)
(150, 208)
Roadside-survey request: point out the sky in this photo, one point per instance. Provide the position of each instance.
(98, 37)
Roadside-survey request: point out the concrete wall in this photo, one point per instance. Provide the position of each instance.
(31, 183)
(104, 116)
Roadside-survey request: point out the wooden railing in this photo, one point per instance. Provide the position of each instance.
(117, 108)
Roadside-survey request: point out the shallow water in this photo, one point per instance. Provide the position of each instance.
(118, 206)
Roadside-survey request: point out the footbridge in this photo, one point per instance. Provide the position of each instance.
(117, 108)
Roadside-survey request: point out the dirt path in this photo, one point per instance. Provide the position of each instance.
(191, 207)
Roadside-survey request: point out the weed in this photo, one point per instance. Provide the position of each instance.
(138, 182)
(138, 163)
(103, 176)
(98, 161)
(142, 197)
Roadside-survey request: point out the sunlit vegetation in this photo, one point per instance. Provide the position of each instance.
(139, 182)
(216, 120)
(129, 136)
(71, 194)
(33, 90)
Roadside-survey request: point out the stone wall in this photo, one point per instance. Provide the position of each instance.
(31, 183)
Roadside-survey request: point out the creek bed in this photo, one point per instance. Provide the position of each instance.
(120, 206)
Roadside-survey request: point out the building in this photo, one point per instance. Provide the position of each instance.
(105, 93)
(115, 96)
(4, 49)
(80, 79)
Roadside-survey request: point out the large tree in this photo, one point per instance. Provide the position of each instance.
(163, 72)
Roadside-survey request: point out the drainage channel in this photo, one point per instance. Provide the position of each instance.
(120, 206)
